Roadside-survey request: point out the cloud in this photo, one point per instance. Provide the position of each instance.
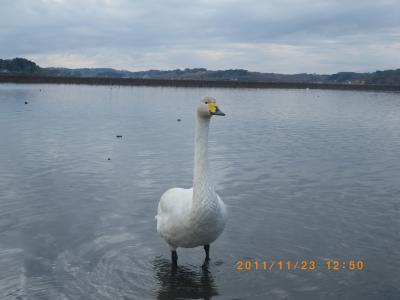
(270, 36)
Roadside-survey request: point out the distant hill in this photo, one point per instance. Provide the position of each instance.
(19, 66)
(389, 77)
(25, 67)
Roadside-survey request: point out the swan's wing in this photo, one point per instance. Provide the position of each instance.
(175, 201)
(172, 210)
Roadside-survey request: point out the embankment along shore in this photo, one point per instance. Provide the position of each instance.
(192, 83)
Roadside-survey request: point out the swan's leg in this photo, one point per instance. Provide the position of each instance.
(207, 249)
(174, 257)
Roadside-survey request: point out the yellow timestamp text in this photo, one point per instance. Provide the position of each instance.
(301, 265)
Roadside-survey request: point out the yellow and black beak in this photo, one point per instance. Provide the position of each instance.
(214, 110)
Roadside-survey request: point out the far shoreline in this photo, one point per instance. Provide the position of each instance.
(23, 79)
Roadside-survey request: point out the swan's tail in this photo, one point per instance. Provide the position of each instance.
(158, 218)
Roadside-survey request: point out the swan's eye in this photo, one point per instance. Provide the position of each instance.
(206, 102)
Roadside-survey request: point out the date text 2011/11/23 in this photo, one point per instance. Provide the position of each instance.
(302, 265)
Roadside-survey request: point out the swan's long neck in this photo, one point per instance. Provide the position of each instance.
(200, 169)
(201, 186)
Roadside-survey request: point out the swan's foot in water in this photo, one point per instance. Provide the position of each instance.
(205, 264)
(207, 249)
(174, 257)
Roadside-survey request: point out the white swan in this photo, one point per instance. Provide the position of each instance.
(194, 217)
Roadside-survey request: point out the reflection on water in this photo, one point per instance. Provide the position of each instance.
(305, 175)
(184, 282)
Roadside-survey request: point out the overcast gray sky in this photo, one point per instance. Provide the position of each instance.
(284, 36)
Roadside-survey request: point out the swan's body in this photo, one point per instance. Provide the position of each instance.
(183, 227)
(194, 217)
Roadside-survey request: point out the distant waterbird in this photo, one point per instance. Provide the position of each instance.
(196, 216)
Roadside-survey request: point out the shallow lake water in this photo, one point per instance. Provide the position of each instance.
(307, 175)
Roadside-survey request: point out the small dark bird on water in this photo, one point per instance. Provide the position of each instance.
(108, 158)
(26, 102)
(179, 120)
(119, 136)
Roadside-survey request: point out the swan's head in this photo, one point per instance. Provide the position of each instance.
(208, 107)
